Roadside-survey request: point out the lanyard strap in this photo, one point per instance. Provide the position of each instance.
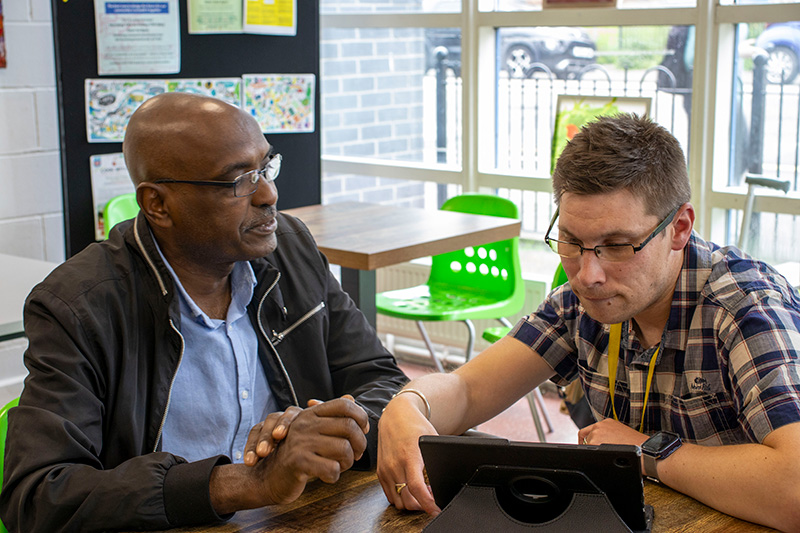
(614, 340)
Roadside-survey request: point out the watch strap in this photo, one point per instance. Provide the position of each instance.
(650, 466)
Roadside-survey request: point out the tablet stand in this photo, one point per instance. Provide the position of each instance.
(512, 499)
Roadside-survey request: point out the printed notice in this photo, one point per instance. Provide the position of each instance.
(110, 178)
(281, 103)
(270, 17)
(215, 16)
(137, 37)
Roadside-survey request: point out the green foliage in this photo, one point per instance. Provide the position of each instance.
(630, 47)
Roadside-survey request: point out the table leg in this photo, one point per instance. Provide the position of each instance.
(360, 285)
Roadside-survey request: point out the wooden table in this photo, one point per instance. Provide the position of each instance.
(18, 275)
(356, 504)
(362, 237)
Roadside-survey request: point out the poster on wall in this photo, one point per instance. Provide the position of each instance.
(281, 103)
(2, 39)
(110, 178)
(137, 37)
(573, 111)
(111, 102)
(270, 17)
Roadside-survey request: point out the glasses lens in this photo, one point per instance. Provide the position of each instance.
(246, 184)
(615, 254)
(273, 167)
(565, 249)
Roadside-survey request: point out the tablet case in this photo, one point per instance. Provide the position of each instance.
(483, 484)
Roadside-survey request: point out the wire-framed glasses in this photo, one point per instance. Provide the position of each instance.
(614, 253)
(247, 183)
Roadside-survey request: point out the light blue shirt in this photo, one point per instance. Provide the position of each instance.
(220, 390)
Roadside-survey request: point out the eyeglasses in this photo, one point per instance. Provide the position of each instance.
(247, 183)
(613, 253)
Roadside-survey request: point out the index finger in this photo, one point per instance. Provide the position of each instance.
(344, 407)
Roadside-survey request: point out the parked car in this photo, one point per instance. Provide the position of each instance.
(781, 40)
(564, 51)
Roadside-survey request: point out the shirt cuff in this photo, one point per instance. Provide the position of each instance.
(187, 500)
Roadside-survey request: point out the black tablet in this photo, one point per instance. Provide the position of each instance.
(612, 469)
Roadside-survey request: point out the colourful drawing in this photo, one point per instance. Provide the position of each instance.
(281, 103)
(226, 89)
(110, 103)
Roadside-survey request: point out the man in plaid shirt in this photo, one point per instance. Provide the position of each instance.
(698, 344)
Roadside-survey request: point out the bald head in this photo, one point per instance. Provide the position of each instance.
(172, 132)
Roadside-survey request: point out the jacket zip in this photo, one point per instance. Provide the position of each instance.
(171, 324)
(269, 341)
(278, 337)
(171, 383)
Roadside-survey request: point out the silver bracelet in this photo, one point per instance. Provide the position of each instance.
(422, 396)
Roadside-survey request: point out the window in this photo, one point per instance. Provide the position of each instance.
(415, 92)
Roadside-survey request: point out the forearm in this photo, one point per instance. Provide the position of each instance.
(447, 396)
(754, 482)
(231, 489)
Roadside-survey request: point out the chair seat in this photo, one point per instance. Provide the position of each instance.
(438, 302)
(495, 334)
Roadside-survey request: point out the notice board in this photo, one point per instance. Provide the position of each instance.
(227, 55)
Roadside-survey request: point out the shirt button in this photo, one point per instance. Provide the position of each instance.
(245, 394)
(238, 455)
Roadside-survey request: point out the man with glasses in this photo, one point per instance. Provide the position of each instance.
(684, 348)
(201, 360)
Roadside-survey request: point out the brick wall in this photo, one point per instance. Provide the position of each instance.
(31, 222)
(372, 103)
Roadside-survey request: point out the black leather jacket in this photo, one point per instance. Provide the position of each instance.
(104, 329)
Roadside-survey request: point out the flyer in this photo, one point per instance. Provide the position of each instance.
(215, 16)
(110, 178)
(137, 37)
(281, 103)
(270, 17)
(2, 39)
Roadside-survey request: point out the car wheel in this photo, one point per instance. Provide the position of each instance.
(518, 61)
(781, 65)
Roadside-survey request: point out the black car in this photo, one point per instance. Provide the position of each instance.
(561, 50)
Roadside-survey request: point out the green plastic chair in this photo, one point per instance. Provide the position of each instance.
(535, 396)
(3, 432)
(481, 282)
(118, 209)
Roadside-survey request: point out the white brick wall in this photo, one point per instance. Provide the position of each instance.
(31, 222)
(31, 218)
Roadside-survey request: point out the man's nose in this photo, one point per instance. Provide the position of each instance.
(266, 194)
(591, 270)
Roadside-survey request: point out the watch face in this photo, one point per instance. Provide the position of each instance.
(659, 443)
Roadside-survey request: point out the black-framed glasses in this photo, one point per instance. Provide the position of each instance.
(247, 183)
(614, 253)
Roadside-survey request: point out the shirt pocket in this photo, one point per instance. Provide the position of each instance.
(705, 419)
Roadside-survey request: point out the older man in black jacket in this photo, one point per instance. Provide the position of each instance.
(191, 338)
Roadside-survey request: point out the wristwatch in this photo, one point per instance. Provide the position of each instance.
(658, 447)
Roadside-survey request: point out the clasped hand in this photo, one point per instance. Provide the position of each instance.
(290, 448)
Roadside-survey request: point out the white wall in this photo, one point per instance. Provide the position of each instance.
(31, 221)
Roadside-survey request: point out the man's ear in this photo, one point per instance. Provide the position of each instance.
(682, 224)
(152, 201)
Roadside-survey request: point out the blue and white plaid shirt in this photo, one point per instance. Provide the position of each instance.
(728, 370)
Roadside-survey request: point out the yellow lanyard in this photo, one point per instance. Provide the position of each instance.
(615, 335)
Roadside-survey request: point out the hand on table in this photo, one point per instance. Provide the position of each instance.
(610, 431)
(264, 436)
(400, 465)
(321, 441)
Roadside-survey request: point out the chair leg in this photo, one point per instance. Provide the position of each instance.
(429, 344)
(471, 341)
(506, 322)
(535, 414)
(539, 400)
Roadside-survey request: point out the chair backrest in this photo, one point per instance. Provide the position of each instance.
(493, 267)
(119, 208)
(559, 278)
(3, 432)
